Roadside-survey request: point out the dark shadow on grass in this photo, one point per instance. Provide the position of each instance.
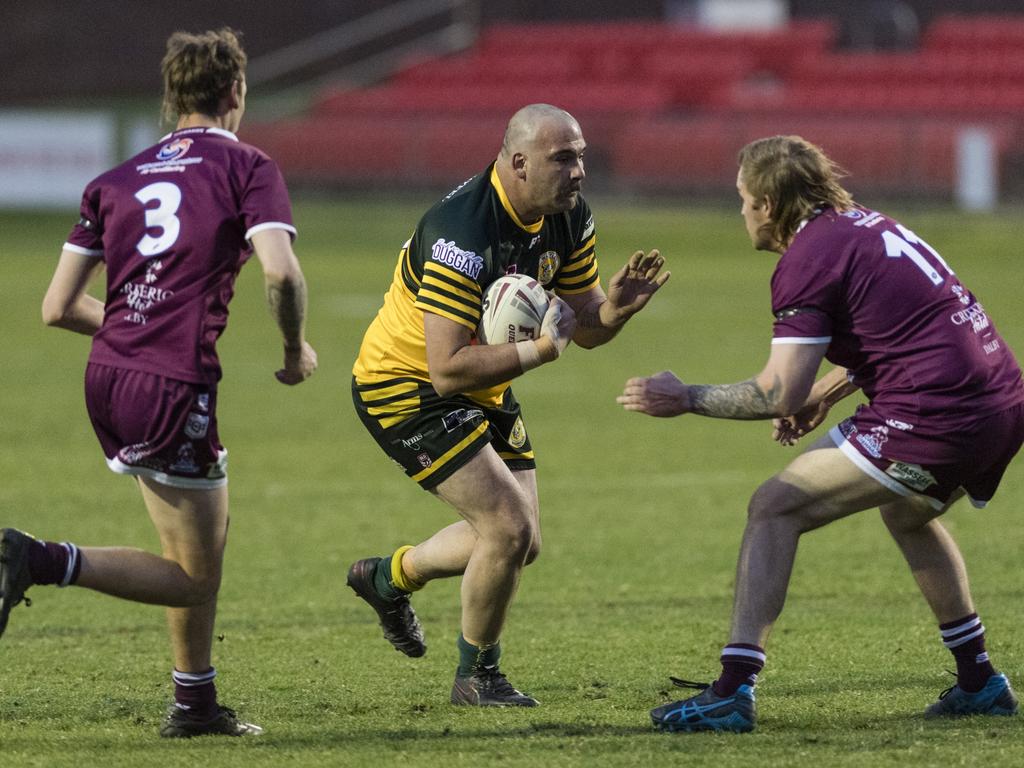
(377, 737)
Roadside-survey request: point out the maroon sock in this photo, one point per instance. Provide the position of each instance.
(196, 693)
(965, 639)
(53, 563)
(741, 663)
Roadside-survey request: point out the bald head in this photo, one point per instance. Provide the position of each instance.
(540, 165)
(532, 122)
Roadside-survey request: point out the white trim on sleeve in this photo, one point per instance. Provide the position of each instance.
(271, 225)
(802, 340)
(81, 250)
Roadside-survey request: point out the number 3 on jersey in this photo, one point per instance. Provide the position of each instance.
(896, 246)
(168, 198)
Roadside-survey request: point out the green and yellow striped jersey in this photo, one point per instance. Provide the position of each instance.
(462, 244)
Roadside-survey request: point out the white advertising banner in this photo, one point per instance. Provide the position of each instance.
(47, 158)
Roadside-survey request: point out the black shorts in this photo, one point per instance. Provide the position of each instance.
(431, 436)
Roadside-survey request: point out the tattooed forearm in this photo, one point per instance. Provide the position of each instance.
(745, 400)
(287, 301)
(589, 317)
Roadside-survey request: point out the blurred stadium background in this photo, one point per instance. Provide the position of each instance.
(920, 99)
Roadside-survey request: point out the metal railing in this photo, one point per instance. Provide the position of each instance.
(368, 48)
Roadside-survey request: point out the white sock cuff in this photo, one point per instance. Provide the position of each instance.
(191, 679)
(73, 555)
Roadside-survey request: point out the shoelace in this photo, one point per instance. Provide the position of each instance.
(495, 680)
(949, 690)
(689, 684)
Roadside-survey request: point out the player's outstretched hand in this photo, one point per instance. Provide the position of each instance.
(632, 287)
(299, 365)
(662, 394)
(559, 324)
(789, 429)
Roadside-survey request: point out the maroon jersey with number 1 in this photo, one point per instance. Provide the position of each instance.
(892, 311)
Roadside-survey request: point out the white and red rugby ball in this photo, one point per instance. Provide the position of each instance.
(512, 310)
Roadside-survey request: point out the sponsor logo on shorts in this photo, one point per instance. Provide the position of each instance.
(900, 425)
(196, 425)
(186, 461)
(517, 438)
(455, 419)
(874, 440)
(449, 254)
(547, 266)
(911, 475)
(203, 402)
(413, 442)
(135, 453)
(425, 460)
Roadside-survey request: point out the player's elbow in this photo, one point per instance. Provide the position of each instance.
(55, 311)
(444, 384)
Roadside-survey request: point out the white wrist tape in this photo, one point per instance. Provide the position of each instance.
(529, 355)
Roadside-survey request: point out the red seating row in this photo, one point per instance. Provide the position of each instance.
(701, 152)
(669, 105)
(368, 150)
(984, 33)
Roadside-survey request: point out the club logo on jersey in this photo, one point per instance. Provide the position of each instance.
(174, 149)
(517, 437)
(449, 254)
(547, 266)
(911, 475)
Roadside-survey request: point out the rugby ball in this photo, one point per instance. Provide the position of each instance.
(512, 309)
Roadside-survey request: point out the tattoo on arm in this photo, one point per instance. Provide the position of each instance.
(590, 317)
(287, 303)
(745, 400)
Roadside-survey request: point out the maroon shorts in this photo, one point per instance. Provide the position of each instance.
(161, 428)
(978, 455)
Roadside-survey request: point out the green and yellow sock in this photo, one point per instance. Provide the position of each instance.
(388, 578)
(473, 657)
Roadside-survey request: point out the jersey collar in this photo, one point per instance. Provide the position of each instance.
(201, 129)
(496, 183)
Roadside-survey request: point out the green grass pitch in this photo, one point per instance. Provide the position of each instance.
(642, 520)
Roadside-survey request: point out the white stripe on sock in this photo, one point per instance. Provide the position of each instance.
(69, 571)
(193, 678)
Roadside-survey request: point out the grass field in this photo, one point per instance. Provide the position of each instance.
(642, 522)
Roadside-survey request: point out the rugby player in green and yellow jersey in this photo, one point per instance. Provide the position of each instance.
(440, 405)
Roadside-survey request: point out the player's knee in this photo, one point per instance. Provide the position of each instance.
(200, 590)
(777, 502)
(534, 551)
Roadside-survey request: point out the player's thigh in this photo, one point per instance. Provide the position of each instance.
(912, 513)
(487, 494)
(192, 524)
(817, 487)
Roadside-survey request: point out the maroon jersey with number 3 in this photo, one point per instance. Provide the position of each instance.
(172, 225)
(892, 311)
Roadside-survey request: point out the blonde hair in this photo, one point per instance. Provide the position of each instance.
(796, 176)
(198, 71)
